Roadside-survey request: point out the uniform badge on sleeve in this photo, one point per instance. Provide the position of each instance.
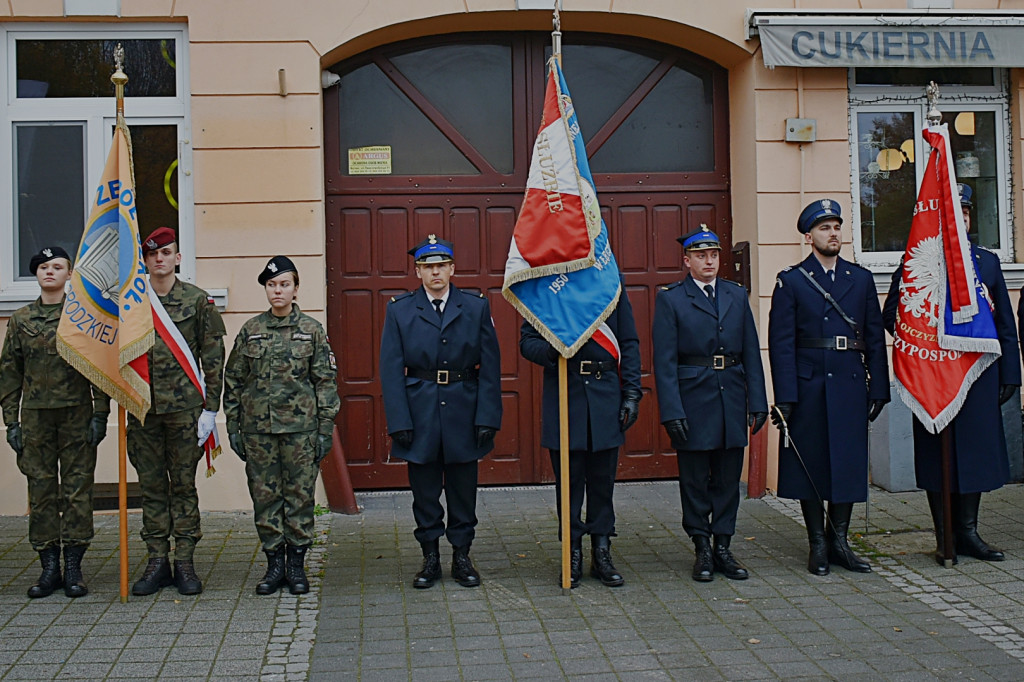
(334, 361)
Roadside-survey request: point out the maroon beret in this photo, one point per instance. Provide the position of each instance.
(160, 237)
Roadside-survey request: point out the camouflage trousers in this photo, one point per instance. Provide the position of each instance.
(282, 481)
(165, 454)
(60, 465)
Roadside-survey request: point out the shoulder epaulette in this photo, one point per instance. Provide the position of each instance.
(401, 296)
(671, 286)
(732, 282)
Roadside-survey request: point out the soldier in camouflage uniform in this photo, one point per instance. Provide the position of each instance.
(62, 419)
(280, 400)
(164, 450)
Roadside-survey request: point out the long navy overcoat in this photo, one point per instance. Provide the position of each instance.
(829, 425)
(594, 399)
(714, 402)
(440, 416)
(980, 461)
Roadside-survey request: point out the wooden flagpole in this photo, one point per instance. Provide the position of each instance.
(120, 79)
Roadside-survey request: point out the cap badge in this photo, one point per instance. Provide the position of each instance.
(151, 243)
(826, 204)
(272, 267)
(48, 253)
(432, 238)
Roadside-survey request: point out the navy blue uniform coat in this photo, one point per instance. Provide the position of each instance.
(592, 400)
(714, 402)
(440, 416)
(980, 460)
(829, 424)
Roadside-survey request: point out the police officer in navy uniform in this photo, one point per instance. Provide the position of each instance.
(441, 378)
(604, 399)
(831, 376)
(707, 366)
(979, 458)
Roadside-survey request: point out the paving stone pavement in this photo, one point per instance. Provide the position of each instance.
(909, 620)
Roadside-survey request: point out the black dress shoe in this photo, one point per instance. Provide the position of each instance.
(463, 571)
(703, 562)
(430, 573)
(725, 562)
(601, 566)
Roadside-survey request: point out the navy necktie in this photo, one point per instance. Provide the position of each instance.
(437, 306)
(710, 291)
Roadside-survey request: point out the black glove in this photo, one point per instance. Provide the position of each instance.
(403, 438)
(677, 430)
(875, 409)
(755, 420)
(98, 428)
(630, 408)
(237, 444)
(323, 447)
(781, 412)
(1006, 392)
(484, 435)
(14, 438)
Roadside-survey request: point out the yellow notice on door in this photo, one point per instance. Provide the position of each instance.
(374, 160)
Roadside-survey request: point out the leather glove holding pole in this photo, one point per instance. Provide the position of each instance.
(323, 448)
(14, 438)
(98, 428)
(875, 409)
(756, 420)
(403, 438)
(781, 413)
(630, 408)
(677, 430)
(484, 434)
(237, 444)
(1006, 392)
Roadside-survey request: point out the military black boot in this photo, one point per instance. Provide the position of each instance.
(725, 562)
(837, 527)
(156, 575)
(575, 562)
(74, 583)
(185, 578)
(274, 578)
(49, 579)
(966, 529)
(431, 571)
(814, 517)
(935, 507)
(462, 568)
(703, 562)
(601, 561)
(295, 570)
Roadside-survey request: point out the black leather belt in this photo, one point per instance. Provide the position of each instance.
(712, 361)
(587, 367)
(442, 376)
(832, 343)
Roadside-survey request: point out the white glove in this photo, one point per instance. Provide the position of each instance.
(207, 423)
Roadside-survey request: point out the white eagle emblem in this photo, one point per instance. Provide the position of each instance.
(48, 253)
(272, 267)
(927, 282)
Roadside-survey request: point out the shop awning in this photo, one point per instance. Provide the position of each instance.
(907, 38)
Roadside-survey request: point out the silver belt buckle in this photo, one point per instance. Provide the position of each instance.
(718, 362)
(442, 377)
(841, 343)
(584, 365)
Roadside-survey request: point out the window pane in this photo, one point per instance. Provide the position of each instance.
(888, 183)
(972, 135)
(472, 86)
(155, 156)
(50, 186)
(82, 68)
(672, 130)
(921, 77)
(374, 112)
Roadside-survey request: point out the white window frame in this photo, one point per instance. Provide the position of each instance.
(952, 100)
(98, 113)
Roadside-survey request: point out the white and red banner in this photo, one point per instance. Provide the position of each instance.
(945, 334)
(561, 274)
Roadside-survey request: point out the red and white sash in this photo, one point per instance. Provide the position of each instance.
(171, 335)
(605, 337)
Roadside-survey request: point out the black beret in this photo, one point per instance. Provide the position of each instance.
(276, 266)
(47, 254)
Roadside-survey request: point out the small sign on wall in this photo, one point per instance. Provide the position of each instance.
(92, 8)
(374, 160)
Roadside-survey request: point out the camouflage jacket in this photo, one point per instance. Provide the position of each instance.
(281, 377)
(199, 322)
(32, 374)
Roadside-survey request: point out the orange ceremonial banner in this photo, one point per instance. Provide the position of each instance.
(106, 326)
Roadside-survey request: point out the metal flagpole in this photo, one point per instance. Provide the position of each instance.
(563, 395)
(934, 117)
(119, 79)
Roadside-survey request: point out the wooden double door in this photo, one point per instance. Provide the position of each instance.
(455, 121)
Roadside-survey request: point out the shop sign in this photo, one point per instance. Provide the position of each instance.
(374, 160)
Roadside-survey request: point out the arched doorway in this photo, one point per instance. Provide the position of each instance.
(452, 121)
